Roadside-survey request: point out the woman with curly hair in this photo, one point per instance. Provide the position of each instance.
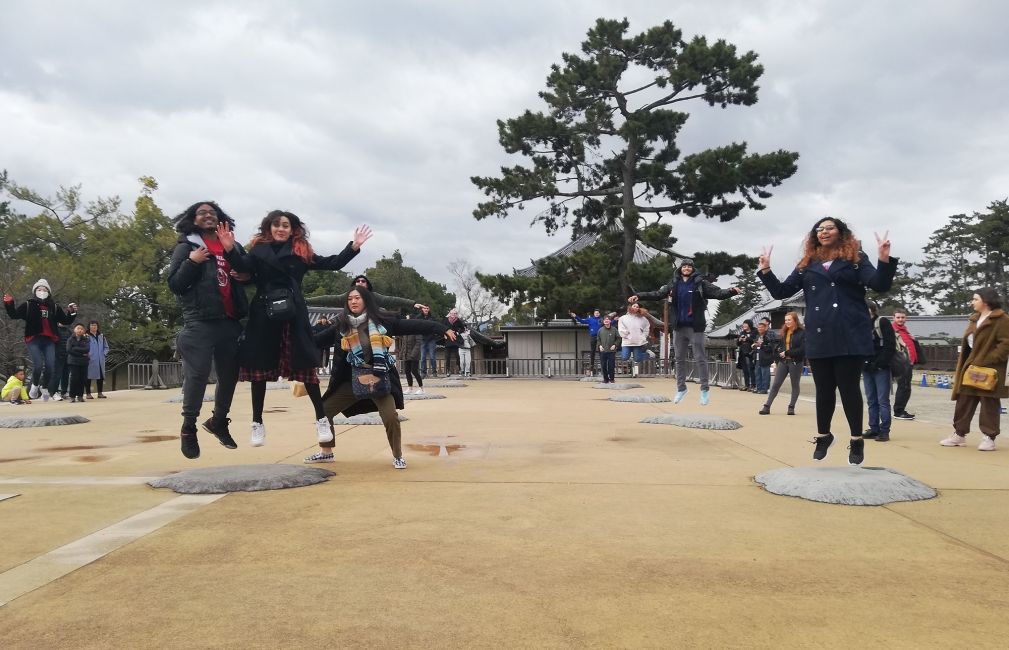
(790, 354)
(278, 337)
(833, 275)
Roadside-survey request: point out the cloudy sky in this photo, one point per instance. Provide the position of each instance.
(379, 113)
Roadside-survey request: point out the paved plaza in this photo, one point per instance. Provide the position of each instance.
(533, 514)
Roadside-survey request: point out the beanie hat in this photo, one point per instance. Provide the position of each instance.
(686, 261)
(41, 283)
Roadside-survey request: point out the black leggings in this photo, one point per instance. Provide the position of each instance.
(843, 375)
(101, 384)
(259, 399)
(412, 371)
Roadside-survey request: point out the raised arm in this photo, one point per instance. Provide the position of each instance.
(339, 300)
(335, 262)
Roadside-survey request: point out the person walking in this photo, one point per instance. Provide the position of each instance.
(833, 275)
(78, 351)
(608, 340)
(688, 294)
(744, 354)
(985, 346)
(204, 273)
(361, 333)
(594, 322)
(278, 338)
(876, 376)
(42, 317)
(912, 348)
(96, 361)
(790, 356)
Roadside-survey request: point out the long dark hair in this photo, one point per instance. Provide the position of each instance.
(375, 313)
(185, 223)
(299, 234)
(990, 297)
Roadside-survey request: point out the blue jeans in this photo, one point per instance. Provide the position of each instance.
(639, 353)
(877, 397)
(43, 352)
(428, 352)
(763, 378)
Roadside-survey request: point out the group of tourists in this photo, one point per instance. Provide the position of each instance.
(207, 271)
(66, 355)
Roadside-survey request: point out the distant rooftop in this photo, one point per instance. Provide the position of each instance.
(642, 252)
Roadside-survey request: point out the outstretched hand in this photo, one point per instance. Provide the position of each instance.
(450, 335)
(884, 246)
(361, 234)
(226, 236)
(764, 261)
(8, 298)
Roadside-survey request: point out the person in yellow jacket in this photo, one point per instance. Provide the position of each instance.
(14, 390)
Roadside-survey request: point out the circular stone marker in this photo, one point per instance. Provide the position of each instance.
(617, 386)
(412, 397)
(446, 384)
(241, 478)
(693, 421)
(277, 385)
(639, 398)
(209, 397)
(594, 379)
(853, 486)
(39, 420)
(363, 418)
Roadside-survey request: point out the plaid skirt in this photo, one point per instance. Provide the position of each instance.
(305, 376)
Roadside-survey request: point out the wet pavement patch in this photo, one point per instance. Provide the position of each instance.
(435, 450)
(691, 421)
(90, 459)
(242, 478)
(71, 448)
(39, 420)
(156, 438)
(14, 460)
(854, 486)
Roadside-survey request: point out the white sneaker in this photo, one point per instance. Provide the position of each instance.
(986, 444)
(34, 392)
(57, 397)
(45, 395)
(399, 463)
(408, 390)
(955, 441)
(419, 391)
(324, 430)
(258, 438)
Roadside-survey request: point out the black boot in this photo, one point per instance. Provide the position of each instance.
(190, 445)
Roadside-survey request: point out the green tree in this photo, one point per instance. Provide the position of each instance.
(751, 296)
(903, 293)
(608, 140)
(952, 268)
(390, 276)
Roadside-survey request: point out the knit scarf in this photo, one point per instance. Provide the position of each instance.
(377, 341)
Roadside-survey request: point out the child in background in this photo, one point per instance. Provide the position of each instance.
(78, 351)
(14, 390)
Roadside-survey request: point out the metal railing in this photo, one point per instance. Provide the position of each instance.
(141, 375)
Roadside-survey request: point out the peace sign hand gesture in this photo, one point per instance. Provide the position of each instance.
(764, 261)
(884, 246)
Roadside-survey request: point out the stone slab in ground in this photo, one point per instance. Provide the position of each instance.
(209, 397)
(856, 486)
(617, 386)
(410, 396)
(445, 384)
(242, 478)
(640, 398)
(25, 420)
(693, 421)
(364, 418)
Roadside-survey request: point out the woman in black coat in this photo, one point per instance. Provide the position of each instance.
(362, 335)
(282, 345)
(790, 353)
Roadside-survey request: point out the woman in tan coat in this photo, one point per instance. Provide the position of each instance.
(985, 344)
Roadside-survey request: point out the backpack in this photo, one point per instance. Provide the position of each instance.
(900, 362)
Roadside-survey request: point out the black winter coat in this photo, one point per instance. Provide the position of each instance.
(797, 350)
(260, 348)
(765, 350)
(700, 291)
(884, 345)
(78, 350)
(31, 310)
(196, 284)
(459, 327)
(341, 370)
(837, 321)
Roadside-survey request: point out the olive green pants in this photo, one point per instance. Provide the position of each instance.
(343, 397)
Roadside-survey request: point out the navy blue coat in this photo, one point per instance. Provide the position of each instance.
(837, 319)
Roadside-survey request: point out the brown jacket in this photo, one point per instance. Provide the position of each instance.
(991, 350)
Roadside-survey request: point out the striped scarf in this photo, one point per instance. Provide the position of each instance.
(378, 342)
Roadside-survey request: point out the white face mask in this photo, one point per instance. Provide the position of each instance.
(41, 294)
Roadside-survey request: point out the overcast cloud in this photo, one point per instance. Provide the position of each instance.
(379, 114)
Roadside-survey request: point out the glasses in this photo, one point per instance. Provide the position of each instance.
(206, 213)
(818, 228)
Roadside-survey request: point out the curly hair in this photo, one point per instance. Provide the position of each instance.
(185, 222)
(847, 246)
(299, 234)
